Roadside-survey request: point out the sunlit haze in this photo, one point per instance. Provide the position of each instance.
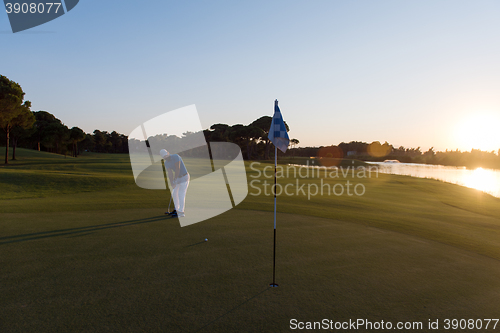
(479, 131)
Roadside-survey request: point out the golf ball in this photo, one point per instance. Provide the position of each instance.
(206, 239)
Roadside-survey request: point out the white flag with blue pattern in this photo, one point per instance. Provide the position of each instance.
(277, 132)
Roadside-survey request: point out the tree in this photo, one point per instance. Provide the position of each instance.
(377, 150)
(124, 144)
(11, 105)
(264, 123)
(253, 135)
(101, 141)
(56, 137)
(219, 132)
(23, 121)
(354, 148)
(88, 143)
(76, 135)
(245, 137)
(119, 142)
(294, 143)
(43, 120)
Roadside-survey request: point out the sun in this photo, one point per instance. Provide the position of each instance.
(480, 130)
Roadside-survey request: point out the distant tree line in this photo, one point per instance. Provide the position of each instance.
(14, 111)
(45, 132)
(252, 138)
(41, 130)
(376, 151)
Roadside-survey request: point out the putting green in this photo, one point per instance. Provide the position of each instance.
(135, 270)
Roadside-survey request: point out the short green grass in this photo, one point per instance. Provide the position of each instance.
(83, 249)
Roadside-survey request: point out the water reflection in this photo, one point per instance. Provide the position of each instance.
(486, 180)
(483, 179)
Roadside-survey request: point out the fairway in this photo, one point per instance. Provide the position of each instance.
(95, 253)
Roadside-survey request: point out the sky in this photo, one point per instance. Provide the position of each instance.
(413, 73)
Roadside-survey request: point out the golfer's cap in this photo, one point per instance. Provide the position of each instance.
(164, 153)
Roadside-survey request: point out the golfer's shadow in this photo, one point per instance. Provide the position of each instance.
(82, 231)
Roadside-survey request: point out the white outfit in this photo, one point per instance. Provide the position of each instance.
(179, 193)
(174, 164)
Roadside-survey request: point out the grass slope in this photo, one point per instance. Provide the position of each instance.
(96, 253)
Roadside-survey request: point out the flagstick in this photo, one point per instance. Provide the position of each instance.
(273, 285)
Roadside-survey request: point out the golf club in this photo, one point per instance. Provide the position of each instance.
(169, 202)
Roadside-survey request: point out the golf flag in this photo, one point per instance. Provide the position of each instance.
(279, 138)
(277, 132)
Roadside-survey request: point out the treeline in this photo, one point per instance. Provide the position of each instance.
(41, 130)
(376, 151)
(251, 138)
(48, 133)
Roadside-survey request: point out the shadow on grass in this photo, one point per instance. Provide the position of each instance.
(228, 312)
(203, 242)
(82, 231)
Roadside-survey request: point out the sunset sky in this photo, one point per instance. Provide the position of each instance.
(413, 73)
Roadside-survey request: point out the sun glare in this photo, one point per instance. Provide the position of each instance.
(482, 180)
(479, 131)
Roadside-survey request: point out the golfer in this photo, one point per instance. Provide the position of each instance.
(179, 178)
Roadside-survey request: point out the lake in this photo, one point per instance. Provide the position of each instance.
(486, 180)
